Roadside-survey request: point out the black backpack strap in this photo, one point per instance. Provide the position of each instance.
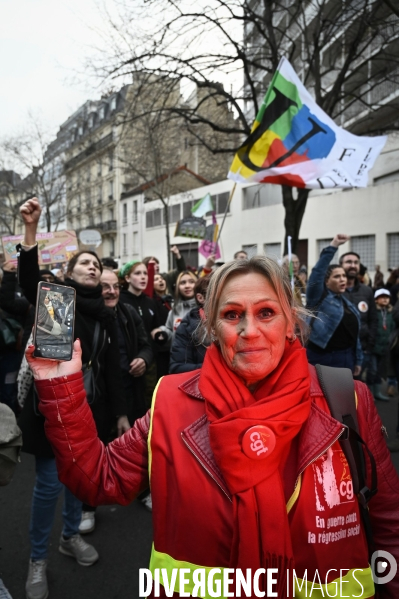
(338, 389)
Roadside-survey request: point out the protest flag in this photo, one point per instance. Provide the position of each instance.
(294, 142)
(210, 246)
(203, 206)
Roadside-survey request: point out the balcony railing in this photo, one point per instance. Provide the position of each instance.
(378, 94)
(94, 147)
(107, 227)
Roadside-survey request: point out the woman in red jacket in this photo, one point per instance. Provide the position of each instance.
(243, 456)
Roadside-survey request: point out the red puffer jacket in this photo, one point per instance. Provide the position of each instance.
(118, 472)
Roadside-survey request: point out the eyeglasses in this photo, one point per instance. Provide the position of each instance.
(107, 287)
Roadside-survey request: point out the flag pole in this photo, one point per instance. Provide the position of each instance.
(225, 212)
(290, 265)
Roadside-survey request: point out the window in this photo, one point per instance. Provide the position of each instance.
(79, 203)
(111, 214)
(135, 211)
(101, 113)
(80, 130)
(174, 213)
(251, 250)
(220, 201)
(91, 121)
(88, 199)
(258, 196)
(187, 207)
(112, 246)
(110, 190)
(153, 218)
(387, 178)
(124, 214)
(393, 250)
(135, 242)
(364, 245)
(124, 244)
(113, 103)
(99, 195)
(323, 243)
(158, 217)
(99, 168)
(88, 174)
(110, 161)
(272, 250)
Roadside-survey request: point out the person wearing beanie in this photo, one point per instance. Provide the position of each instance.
(46, 275)
(380, 353)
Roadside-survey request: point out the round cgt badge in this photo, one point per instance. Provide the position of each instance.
(258, 442)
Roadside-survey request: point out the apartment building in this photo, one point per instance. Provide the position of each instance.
(255, 219)
(345, 53)
(126, 140)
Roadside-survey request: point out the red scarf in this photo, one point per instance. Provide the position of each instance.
(282, 403)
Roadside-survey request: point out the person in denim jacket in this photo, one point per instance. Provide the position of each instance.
(334, 336)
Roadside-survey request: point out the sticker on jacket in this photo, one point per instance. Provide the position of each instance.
(333, 481)
(176, 323)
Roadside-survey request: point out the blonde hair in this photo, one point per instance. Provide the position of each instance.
(179, 278)
(273, 273)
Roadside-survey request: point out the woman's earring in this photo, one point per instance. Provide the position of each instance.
(292, 339)
(213, 337)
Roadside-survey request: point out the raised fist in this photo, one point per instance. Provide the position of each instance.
(31, 211)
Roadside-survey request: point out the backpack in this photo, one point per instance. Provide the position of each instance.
(10, 444)
(339, 390)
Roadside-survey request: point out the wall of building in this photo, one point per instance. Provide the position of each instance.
(370, 215)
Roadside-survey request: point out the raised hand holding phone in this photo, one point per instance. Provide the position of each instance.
(49, 369)
(53, 331)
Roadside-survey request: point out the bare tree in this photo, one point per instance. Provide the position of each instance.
(343, 51)
(151, 149)
(29, 153)
(152, 174)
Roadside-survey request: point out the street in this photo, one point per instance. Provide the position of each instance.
(122, 537)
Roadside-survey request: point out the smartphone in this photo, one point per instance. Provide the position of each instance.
(53, 332)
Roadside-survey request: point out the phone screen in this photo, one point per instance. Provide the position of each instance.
(54, 321)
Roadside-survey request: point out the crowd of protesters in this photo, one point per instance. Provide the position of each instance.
(136, 325)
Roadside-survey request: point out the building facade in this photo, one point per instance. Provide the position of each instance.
(345, 53)
(255, 219)
(123, 142)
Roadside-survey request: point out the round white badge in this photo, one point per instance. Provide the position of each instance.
(363, 306)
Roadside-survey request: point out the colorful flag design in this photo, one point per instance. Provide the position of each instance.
(293, 142)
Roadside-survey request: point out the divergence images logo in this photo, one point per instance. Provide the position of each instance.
(380, 560)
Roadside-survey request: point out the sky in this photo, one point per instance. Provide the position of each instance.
(42, 47)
